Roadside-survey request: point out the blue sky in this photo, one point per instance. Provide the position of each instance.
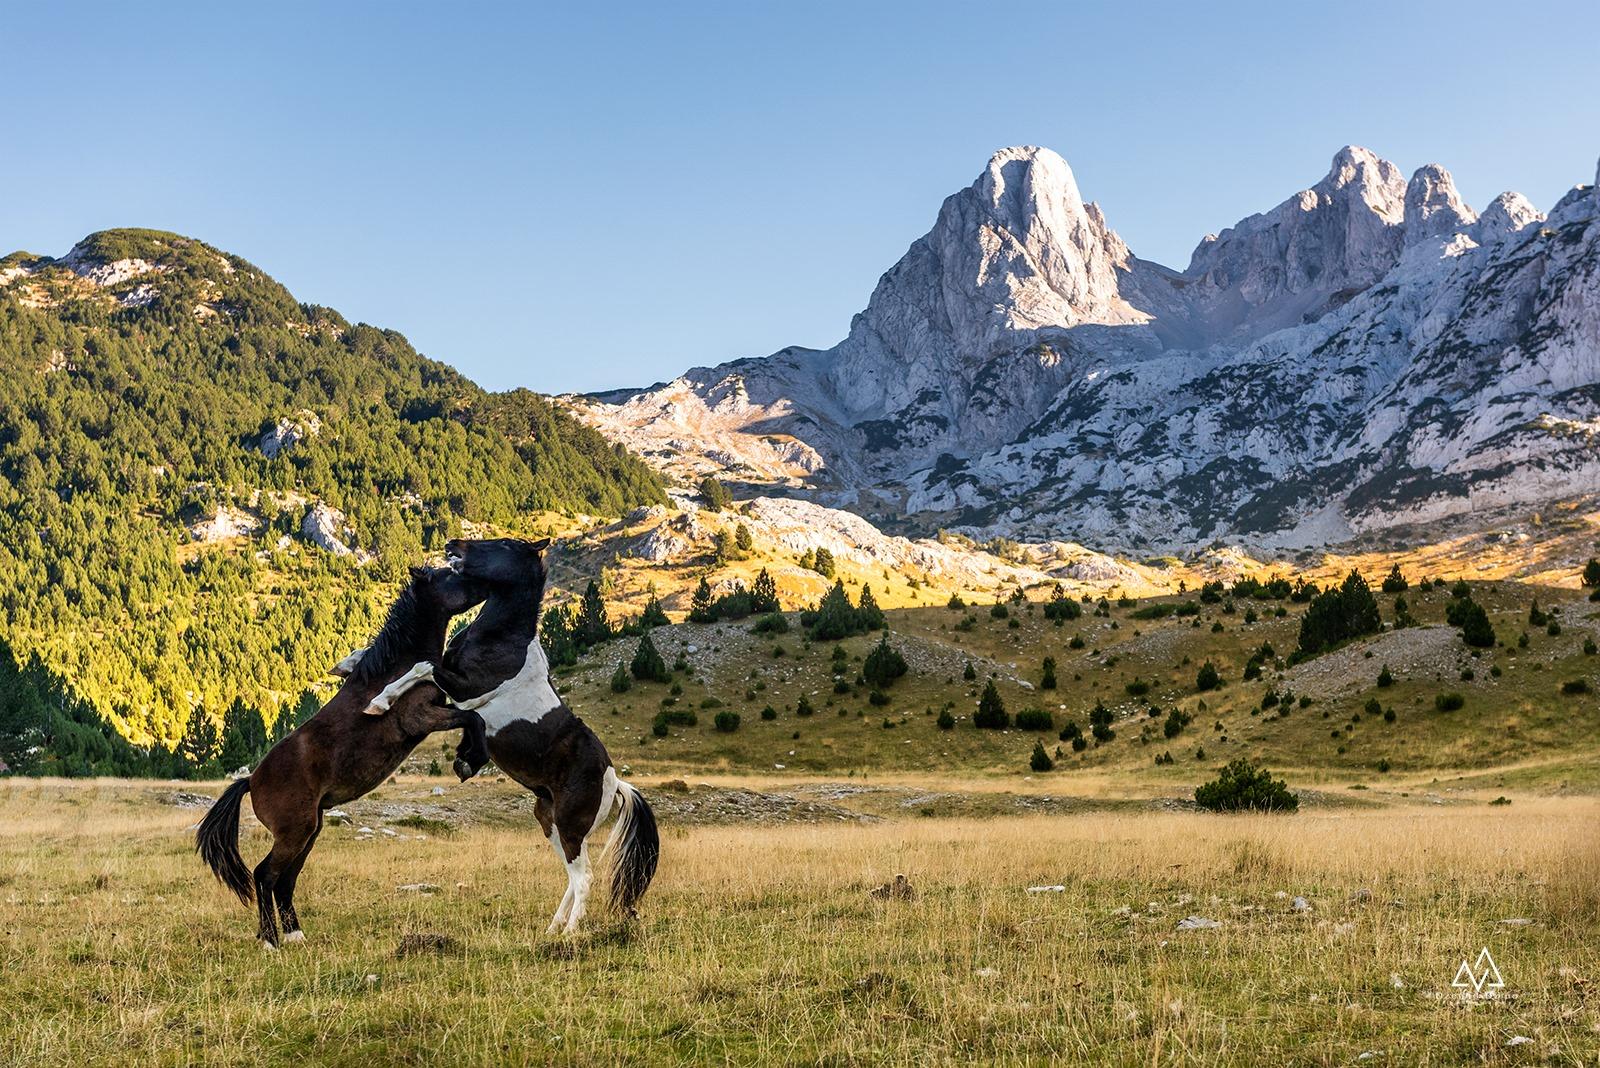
(570, 199)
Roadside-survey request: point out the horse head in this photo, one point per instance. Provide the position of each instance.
(499, 561)
(444, 591)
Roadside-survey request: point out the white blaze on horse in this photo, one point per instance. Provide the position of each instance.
(497, 668)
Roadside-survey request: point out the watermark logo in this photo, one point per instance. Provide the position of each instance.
(1480, 976)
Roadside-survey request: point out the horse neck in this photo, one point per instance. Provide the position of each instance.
(427, 640)
(512, 611)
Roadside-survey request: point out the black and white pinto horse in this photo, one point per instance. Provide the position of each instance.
(497, 668)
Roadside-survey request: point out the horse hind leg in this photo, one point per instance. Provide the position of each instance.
(578, 820)
(287, 844)
(284, 890)
(579, 880)
(547, 824)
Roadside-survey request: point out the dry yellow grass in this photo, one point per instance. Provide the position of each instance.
(760, 944)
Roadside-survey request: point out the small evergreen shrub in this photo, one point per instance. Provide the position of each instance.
(727, 721)
(1035, 719)
(1448, 702)
(1241, 786)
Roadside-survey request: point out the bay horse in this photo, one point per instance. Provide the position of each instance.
(497, 669)
(338, 754)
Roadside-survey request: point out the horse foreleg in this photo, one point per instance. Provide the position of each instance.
(418, 674)
(344, 667)
(473, 751)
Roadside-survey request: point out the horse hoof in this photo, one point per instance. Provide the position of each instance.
(294, 936)
(268, 946)
(463, 770)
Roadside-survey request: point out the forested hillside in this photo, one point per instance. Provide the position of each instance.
(210, 488)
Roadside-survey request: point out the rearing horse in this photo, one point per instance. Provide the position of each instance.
(497, 668)
(339, 753)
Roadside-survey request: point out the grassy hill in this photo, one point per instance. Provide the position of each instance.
(169, 418)
(1141, 669)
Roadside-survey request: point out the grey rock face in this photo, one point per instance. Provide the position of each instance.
(1369, 352)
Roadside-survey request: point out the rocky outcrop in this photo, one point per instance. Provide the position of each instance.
(326, 528)
(1369, 352)
(225, 523)
(289, 432)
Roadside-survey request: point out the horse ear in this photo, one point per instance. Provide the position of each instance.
(541, 545)
(417, 573)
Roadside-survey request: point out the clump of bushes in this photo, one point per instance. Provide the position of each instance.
(1100, 723)
(1177, 719)
(1061, 608)
(1448, 702)
(771, 623)
(727, 721)
(1336, 616)
(1035, 719)
(1467, 614)
(883, 665)
(1242, 786)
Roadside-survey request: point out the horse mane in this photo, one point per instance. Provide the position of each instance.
(394, 640)
(538, 600)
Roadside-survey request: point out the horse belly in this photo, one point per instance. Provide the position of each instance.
(530, 750)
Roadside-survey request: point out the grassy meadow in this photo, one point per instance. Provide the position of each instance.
(762, 944)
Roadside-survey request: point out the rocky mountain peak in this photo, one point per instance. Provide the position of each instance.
(1358, 172)
(1506, 214)
(1433, 208)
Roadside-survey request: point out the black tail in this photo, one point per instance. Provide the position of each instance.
(217, 841)
(638, 848)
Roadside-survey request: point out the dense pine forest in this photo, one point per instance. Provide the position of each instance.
(148, 385)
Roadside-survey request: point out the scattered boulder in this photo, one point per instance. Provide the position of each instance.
(1197, 923)
(418, 888)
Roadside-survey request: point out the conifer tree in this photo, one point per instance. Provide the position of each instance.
(836, 616)
(868, 612)
(593, 625)
(883, 665)
(764, 595)
(654, 615)
(647, 664)
(991, 713)
(702, 607)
